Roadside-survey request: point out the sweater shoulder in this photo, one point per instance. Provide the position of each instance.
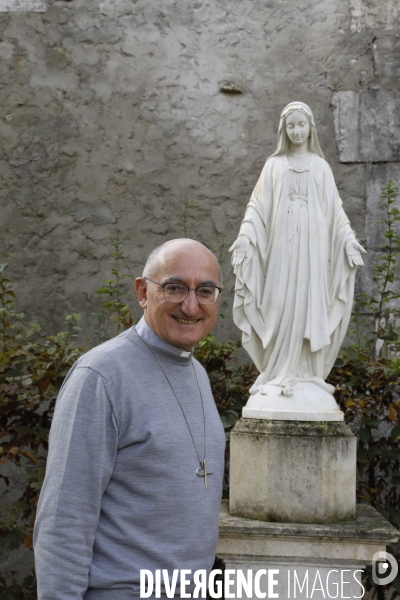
(108, 356)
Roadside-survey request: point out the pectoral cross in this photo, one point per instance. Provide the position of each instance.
(203, 466)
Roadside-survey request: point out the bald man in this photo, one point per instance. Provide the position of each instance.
(135, 465)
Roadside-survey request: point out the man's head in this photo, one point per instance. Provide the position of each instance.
(185, 261)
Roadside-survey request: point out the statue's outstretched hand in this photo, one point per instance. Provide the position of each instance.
(353, 251)
(240, 250)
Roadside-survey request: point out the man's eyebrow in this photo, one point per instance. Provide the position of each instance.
(208, 282)
(174, 279)
(177, 279)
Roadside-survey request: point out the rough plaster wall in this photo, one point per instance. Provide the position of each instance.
(112, 116)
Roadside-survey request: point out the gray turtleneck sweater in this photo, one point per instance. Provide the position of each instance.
(121, 492)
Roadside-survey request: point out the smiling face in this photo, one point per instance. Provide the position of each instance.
(181, 324)
(297, 128)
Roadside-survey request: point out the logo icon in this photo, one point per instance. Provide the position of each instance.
(384, 568)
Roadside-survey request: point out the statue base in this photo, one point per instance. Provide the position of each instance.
(309, 402)
(301, 560)
(293, 472)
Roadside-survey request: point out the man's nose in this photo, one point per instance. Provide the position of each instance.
(190, 304)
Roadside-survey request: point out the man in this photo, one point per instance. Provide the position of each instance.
(135, 465)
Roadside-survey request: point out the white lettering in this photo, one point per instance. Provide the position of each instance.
(200, 581)
(319, 589)
(184, 583)
(244, 584)
(215, 587)
(343, 582)
(170, 587)
(359, 581)
(272, 583)
(305, 581)
(257, 578)
(229, 582)
(158, 583)
(248, 584)
(335, 584)
(143, 574)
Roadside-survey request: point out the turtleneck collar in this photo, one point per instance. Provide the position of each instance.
(144, 331)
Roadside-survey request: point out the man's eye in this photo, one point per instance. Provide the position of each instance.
(206, 292)
(173, 288)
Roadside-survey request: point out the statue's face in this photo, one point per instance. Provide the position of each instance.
(297, 128)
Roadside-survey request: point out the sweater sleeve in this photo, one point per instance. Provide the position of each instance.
(82, 450)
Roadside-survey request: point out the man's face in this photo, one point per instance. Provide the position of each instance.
(181, 324)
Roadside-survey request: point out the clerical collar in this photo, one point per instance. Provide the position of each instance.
(151, 338)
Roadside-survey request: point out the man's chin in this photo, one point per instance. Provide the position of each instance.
(187, 340)
(186, 343)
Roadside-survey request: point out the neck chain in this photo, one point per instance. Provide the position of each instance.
(202, 471)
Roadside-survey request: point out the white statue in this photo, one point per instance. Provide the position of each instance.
(295, 261)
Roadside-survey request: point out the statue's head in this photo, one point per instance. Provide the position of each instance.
(283, 139)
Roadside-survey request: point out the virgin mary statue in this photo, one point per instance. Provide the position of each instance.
(295, 260)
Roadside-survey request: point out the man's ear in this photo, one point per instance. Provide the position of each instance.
(141, 291)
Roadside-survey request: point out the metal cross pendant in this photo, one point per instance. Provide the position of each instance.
(203, 466)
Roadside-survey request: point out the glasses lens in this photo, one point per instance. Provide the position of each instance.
(174, 292)
(207, 295)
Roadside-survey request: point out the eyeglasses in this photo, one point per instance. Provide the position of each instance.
(177, 292)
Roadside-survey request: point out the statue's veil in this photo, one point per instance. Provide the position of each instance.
(283, 141)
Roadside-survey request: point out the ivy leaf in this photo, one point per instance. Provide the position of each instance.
(229, 418)
(365, 435)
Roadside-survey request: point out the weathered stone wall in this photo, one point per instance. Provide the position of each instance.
(113, 116)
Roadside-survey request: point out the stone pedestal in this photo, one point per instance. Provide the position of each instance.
(293, 472)
(324, 560)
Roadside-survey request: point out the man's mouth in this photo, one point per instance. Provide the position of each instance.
(187, 321)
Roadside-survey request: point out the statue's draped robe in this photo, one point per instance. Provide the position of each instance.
(294, 290)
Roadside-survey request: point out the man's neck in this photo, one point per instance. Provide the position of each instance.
(144, 330)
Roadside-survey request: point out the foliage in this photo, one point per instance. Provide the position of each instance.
(384, 276)
(368, 392)
(185, 216)
(368, 381)
(14, 590)
(369, 395)
(230, 382)
(220, 250)
(32, 369)
(114, 312)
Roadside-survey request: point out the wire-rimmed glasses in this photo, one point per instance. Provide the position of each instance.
(177, 292)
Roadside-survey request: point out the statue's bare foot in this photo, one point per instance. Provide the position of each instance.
(288, 391)
(263, 390)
